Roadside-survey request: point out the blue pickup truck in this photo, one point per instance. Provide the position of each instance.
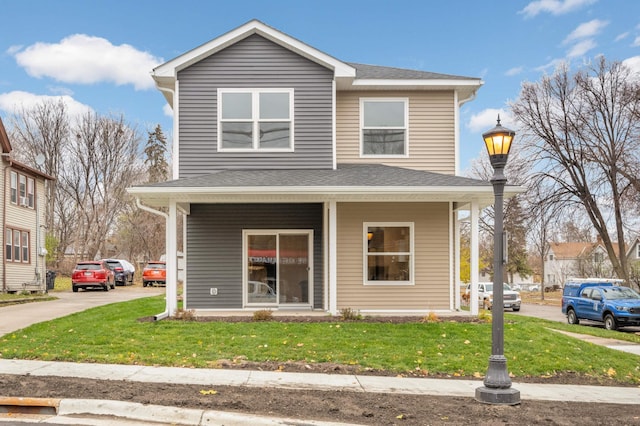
(603, 301)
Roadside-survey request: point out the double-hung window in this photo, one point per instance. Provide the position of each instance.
(384, 127)
(16, 245)
(23, 189)
(389, 253)
(255, 119)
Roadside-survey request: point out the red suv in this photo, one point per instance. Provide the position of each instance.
(92, 274)
(154, 272)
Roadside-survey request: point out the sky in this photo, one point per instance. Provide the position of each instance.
(98, 54)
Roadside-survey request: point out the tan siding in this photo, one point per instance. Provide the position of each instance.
(431, 130)
(25, 219)
(431, 230)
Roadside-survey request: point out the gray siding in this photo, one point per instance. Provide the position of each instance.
(214, 248)
(254, 63)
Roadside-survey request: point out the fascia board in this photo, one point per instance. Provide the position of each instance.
(435, 84)
(171, 68)
(509, 190)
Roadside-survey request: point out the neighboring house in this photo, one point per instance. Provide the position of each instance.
(312, 183)
(22, 215)
(577, 260)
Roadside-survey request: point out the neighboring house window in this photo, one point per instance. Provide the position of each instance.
(16, 245)
(638, 251)
(388, 253)
(550, 257)
(31, 185)
(383, 125)
(255, 119)
(23, 190)
(14, 187)
(597, 257)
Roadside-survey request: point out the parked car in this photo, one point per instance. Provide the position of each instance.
(613, 305)
(92, 274)
(122, 269)
(155, 272)
(511, 299)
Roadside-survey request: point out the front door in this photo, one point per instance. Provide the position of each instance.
(278, 268)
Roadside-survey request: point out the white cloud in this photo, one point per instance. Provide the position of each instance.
(550, 66)
(581, 48)
(168, 111)
(636, 42)
(84, 59)
(633, 64)
(554, 7)
(622, 36)
(486, 120)
(585, 30)
(14, 102)
(514, 71)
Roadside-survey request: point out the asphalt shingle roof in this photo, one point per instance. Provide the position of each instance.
(346, 175)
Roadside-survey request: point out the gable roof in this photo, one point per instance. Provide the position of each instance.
(348, 76)
(573, 250)
(368, 182)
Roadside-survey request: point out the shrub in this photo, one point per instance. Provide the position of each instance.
(431, 317)
(349, 314)
(188, 315)
(263, 315)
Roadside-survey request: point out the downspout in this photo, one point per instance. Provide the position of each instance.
(164, 314)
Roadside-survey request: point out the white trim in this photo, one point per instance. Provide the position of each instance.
(172, 261)
(310, 267)
(171, 68)
(334, 131)
(474, 266)
(410, 252)
(333, 261)
(405, 101)
(255, 119)
(456, 134)
(325, 245)
(452, 264)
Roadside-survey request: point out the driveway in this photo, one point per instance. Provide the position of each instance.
(16, 317)
(552, 313)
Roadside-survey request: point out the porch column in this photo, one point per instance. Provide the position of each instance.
(456, 260)
(333, 261)
(171, 257)
(474, 263)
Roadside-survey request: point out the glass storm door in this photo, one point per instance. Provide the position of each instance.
(278, 267)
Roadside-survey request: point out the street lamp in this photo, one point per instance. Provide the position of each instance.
(497, 383)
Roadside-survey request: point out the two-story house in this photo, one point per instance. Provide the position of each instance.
(311, 183)
(23, 194)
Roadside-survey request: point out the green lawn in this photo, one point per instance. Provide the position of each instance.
(113, 334)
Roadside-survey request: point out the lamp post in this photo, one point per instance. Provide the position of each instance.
(497, 383)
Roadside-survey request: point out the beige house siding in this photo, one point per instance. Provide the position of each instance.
(24, 219)
(431, 130)
(432, 257)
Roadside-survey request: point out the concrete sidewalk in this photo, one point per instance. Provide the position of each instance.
(309, 381)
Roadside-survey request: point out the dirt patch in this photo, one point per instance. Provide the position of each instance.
(337, 406)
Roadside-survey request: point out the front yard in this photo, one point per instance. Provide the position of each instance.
(115, 334)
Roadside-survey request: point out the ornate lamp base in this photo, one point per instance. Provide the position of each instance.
(501, 396)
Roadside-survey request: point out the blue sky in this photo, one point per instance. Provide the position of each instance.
(98, 54)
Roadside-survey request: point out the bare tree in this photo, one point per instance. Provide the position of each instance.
(515, 217)
(583, 127)
(101, 165)
(42, 135)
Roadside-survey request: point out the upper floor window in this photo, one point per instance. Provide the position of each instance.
(550, 257)
(388, 253)
(22, 190)
(255, 119)
(384, 127)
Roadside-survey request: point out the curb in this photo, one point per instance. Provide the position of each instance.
(137, 412)
(11, 404)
